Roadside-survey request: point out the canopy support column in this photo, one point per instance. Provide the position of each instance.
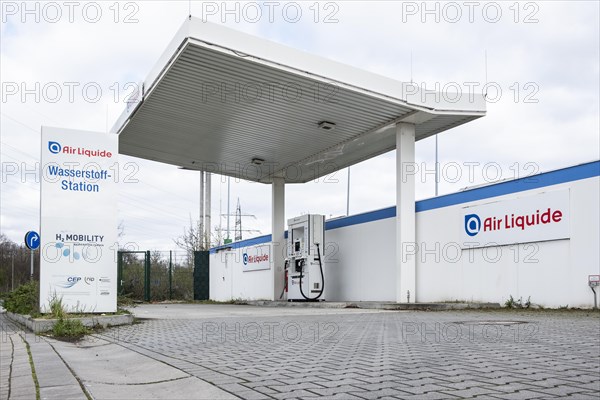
(278, 232)
(405, 213)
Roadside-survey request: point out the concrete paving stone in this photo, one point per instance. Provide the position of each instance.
(294, 394)
(118, 366)
(339, 396)
(298, 386)
(52, 374)
(409, 375)
(466, 384)
(340, 382)
(377, 394)
(219, 379)
(509, 387)
(500, 380)
(425, 388)
(253, 395)
(264, 389)
(582, 378)
(471, 392)
(336, 376)
(263, 383)
(234, 387)
(62, 392)
(584, 396)
(427, 396)
(337, 390)
(520, 395)
(23, 385)
(379, 386)
(22, 394)
(551, 382)
(379, 379)
(190, 388)
(560, 391)
(588, 386)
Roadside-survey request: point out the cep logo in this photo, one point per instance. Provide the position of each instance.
(245, 258)
(54, 147)
(69, 282)
(472, 224)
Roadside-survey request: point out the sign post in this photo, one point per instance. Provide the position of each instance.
(594, 281)
(32, 242)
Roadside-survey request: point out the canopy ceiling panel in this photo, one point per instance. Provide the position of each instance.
(226, 102)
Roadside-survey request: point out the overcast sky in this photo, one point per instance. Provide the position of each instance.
(543, 109)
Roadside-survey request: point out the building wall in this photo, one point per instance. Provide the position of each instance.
(360, 254)
(230, 280)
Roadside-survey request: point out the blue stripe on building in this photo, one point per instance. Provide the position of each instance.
(569, 174)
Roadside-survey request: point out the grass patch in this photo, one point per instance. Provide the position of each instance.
(518, 304)
(70, 330)
(233, 301)
(65, 328)
(125, 301)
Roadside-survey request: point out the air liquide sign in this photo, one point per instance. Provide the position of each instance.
(256, 258)
(79, 219)
(535, 218)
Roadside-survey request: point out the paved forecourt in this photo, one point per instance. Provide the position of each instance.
(287, 353)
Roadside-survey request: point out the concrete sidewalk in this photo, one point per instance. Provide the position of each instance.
(92, 368)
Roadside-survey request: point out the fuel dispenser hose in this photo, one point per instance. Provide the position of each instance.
(322, 279)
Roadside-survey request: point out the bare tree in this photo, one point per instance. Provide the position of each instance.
(193, 239)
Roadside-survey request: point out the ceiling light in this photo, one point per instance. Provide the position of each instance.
(327, 126)
(257, 161)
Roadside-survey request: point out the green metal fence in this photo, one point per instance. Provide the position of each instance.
(201, 275)
(156, 275)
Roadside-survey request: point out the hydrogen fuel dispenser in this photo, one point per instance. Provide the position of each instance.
(305, 275)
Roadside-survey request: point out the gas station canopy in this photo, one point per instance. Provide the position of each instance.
(227, 102)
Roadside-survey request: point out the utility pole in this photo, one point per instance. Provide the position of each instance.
(238, 222)
(208, 210)
(228, 211)
(12, 276)
(437, 166)
(201, 214)
(348, 195)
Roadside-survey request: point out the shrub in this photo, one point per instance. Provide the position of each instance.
(24, 299)
(71, 329)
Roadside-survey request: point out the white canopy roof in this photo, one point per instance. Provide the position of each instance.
(223, 101)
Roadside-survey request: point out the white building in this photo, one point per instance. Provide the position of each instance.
(549, 262)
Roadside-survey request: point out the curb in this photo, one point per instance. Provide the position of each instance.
(373, 305)
(39, 325)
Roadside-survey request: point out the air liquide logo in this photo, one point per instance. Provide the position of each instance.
(56, 148)
(254, 259)
(512, 221)
(472, 224)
